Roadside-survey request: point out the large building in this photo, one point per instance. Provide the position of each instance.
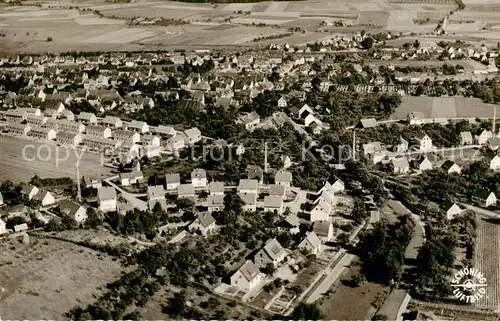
(65, 125)
(100, 143)
(18, 129)
(68, 138)
(43, 133)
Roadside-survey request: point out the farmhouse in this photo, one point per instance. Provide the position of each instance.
(199, 177)
(483, 198)
(204, 223)
(215, 202)
(68, 138)
(311, 244)
(43, 133)
(273, 203)
(98, 131)
(247, 278)
(73, 210)
(272, 253)
(107, 199)
(18, 129)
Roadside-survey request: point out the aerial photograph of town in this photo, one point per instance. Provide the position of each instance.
(249, 160)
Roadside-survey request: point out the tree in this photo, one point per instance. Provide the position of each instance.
(93, 220)
(367, 43)
(184, 204)
(269, 269)
(176, 306)
(305, 311)
(379, 317)
(13, 221)
(49, 39)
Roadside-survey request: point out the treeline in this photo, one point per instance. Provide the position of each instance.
(229, 1)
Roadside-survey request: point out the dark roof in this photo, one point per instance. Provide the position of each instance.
(481, 193)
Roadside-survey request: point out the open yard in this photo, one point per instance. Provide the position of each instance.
(46, 278)
(487, 259)
(43, 161)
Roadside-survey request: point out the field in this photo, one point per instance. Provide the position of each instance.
(43, 161)
(102, 26)
(352, 303)
(487, 260)
(452, 107)
(46, 278)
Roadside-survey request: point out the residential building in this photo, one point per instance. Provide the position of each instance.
(130, 178)
(271, 253)
(193, 135)
(416, 118)
(43, 133)
(215, 202)
(466, 138)
(172, 181)
(126, 137)
(92, 181)
(247, 278)
(452, 210)
(403, 145)
(483, 198)
(18, 129)
(273, 204)
(73, 210)
(98, 131)
(324, 230)
(156, 194)
(425, 144)
(101, 144)
(321, 211)
(216, 188)
(29, 191)
(290, 224)
(162, 130)
(284, 178)
(44, 197)
(36, 120)
(186, 191)
(65, 125)
(175, 143)
(311, 244)
(400, 165)
(495, 163)
(138, 126)
(87, 118)
(482, 138)
(199, 177)
(112, 121)
(68, 138)
(451, 167)
(150, 140)
(204, 224)
(247, 186)
(250, 121)
(3, 227)
(249, 201)
(107, 199)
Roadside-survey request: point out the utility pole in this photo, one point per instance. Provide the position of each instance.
(494, 118)
(354, 144)
(78, 187)
(265, 157)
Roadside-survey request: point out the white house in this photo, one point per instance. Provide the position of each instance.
(425, 164)
(311, 243)
(250, 121)
(425, 144)
(45, 197)
(3, 227)
(193, 135)
(29, 191)
(186, 191)
(291, 224)
(98, 131)
(247, 278)
(466, 138)
(249, 201)
(321, 212)
(452, 211)
(400, 165)
(324, 230)
(139, 126)
(199, 177)
(107, 199)
(482, 138)
(282, 103)
(247, 186)
(204, 223)
(175, 143)
(156, 194)
(284, 178)
(73, 210)
(150, 140)
(273, 203)
(172, 181)
(43, 133)
(130, 178)
(215, 202)
(126, 137)
(272, 253)
(495, 163)
(484, 198)
(451, 167)
(216, 188)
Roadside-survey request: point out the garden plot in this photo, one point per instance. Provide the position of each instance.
(125, 35)
(47, 278)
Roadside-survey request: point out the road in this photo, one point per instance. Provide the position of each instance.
(481, 210)
(131, 198)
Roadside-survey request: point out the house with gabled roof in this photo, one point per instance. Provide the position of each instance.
(255, 172)
(247, 278)
(138, 126)
(250, 121)
(249, 201)
(452, 210)
(466, 138)
(273, 204)
(3, 227)
(193, 135)
(271, 253)
(311, 244)
(425, 144)
(324, 230)
(321, 211)
(366, 123)
(199, 177)
(107, 199)
(451, 167)
(186, 191)
(400, 165)
(44, 197)
(29, 191)
(495, 163)
(482, 138)
(215, 202)
(204, 223)
(483, 197)
(87, 118)
(216, 188)
(73, 210)
(112, 121)
(284, 178)
(291, 224)
(172, 181)
(247, 186)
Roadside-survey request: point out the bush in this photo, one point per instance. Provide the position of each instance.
(49, 39)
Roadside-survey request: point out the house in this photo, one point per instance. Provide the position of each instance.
(403, 145)
(483, 197)
(366, 123)
(273, 203)
(65, 125)
(425, 144)
(112, 121)
(250, 121)
(482, 138)
(186, 191)
(199, 177)
(175, 143)
(44, 197)
(272, 253)
(204, 223)
(18, 210)
(138, 126)
(215, 202)
(150, 140)
(92, 181)
(18, 129)
(255, 172)
(67, 138)
(416, 118)
(3, 227)
(87, 118)
(291, 224)
(321, 211)
(101, 144)
(337, 187)
(247, 278)
(73, 210)
(98, 131)
(193, 135)
(29, 191)
(324, 230)
(43, 133)
(277, 190)
(451, 167)
(282, 103)
(311, 244)
(130, 178)
(165, 131)
(495, 163)
(423, 164)
(466, 138)
(107, 199)
(1, 199)
(156, 194)
(493, 143)
(372, 148)
(126, 137)
(452, 210)
(172, 181)
(216, 188)
(284, 178)
(247, 186)
(305, 111)
(21, 227)
(400, 165)
(249, 201)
